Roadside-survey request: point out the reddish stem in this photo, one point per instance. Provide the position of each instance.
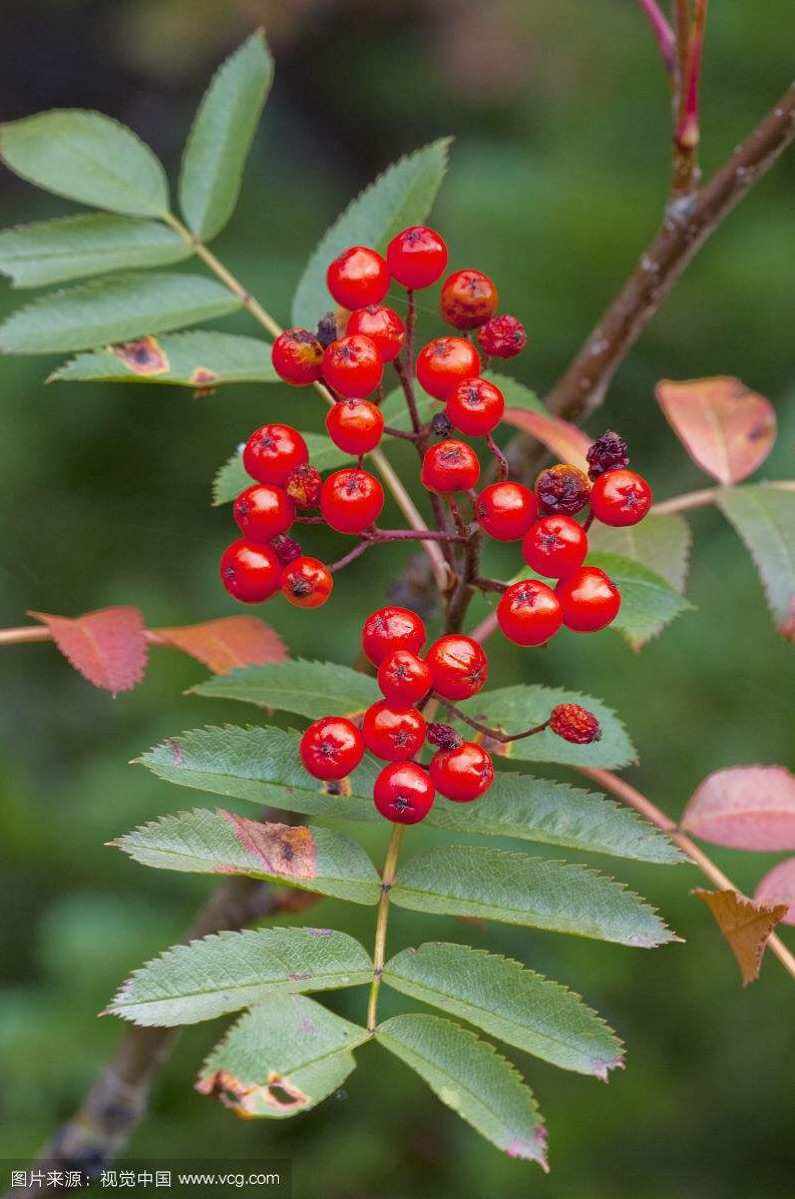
(663, 33)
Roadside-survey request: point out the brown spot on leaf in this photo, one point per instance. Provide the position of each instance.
(745, 924)
(337, 788)
(145, 356)
(176, 750)
(203, 376)
(280, 849)
(248, 1100)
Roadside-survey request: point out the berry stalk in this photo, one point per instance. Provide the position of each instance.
(382, 921)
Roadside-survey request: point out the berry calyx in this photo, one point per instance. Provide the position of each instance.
(351, 500)
(562, 488)
(286, 549)
(620, 498)
(331, 748)
(575, 724)
(303, 486)
(502, 337)
(383, 326)
(529, 612)
(262, 512)
(417, 257)
(251, 573)
(475, 407)
(608, 452)
(355, 426)
(462, 774)
(389, 629)
(273, 452)
(358, 277)
(307, 583)
(506, 510)
(404, 678)
(459, 666)
(395, 734)
(555, 546)
(444, 363)
(352, 366)
(443, 735)
(468, 298)
(403, 793)
(297, 356)
(589, 600)
(450, 466)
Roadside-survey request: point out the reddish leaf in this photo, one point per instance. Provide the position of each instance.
(745, 807)
(726, 429)
(778, 886)
(745, 924)
(227, 643)
(564, 440)
(108, 647)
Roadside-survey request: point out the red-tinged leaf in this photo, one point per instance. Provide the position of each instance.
(745, 924)
(726, 429)
(745, 807)
(778, 886)
(108, 647)
(225, 644)
(564, 440)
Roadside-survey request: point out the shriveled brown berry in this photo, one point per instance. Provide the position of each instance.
(608, 452)
(502, 337)
(441, 425)
(328, 329)
(443, 735)
(575, 724)
(286, 549)
(303, 486)
(562, 488)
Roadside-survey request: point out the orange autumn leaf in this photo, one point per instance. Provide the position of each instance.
(107, 647)
(778, 886)
(225, 644)
(564, 440)
(746, 924)
(727, 429)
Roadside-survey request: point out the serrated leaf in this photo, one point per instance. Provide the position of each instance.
(89, 157)
(108, 647)
(310, 689)
(746, 925)
(204, 842)
(396, 411)
(231, 478)
(474, 880)
(403, 195)
(744, 807)
(764, 517)
(199, 359)
(113, 309)
(473, 1079)
(727, 429)
(233, 970)
(648, 602)
(517, 395)
(509, 1002)
(778, 887)
(228, 643)
(281, 1058)
(221, 136)
(660, 543)
(560, 437)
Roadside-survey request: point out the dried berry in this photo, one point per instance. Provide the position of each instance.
(327, 329)
(443, 735)
(575, 724)
(286, 549)
(303, 486)
(608, 452)
(502, 337)
(441, 425)
(562, 488)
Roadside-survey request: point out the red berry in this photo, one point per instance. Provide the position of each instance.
(351, 500)
(529, 613)
(355, 425)
(608, 452)
(462, 774)
(575, 724)
(303, 486)
(506, 510)
(352, 366)
(383, 326)
(476, 407)
(307, 583)
(620, 498)
(555, 546)
(502, 337)
(562, 488)
(459, 666)
(286, 549)
(389, 629)
(450, 466)
(358, 277)
(262, 512)
(395, 734)
(589, 600)
(403, 793)
(416, 257)
(404, 678)
(444, 363)
(331, 748)
(273, 452)
(296, 356)
(251, 573)
(468, 299)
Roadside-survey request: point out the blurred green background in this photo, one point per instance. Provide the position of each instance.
(560, 114)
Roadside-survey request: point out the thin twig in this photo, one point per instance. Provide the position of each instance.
(663, 33)
(382, 920)
(493, 734)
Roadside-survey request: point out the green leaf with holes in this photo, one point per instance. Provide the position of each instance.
(648, 602)
(307, 688)
(197, 359)
(764, 516)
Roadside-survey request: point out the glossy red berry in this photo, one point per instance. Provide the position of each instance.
(403, 793)
(589, 600)
(297, 356)
(450, 466)
(529, 613)
(562, 488)
(389, 629)
(444, 363)
(462, 774)
(358, 277)
(475, 407)
(251, 573)
(352, 366)
(331, 748)
(468, 298)
(608, 452)
(506, 510)
(555, 546)
(404, 678)
(262, 512)
(355, 425)
(273, 452)
(351, 500)
(307, 583)
(303, 486)
(574, 724)
(620, 498)
(383, 326)
(459, 666)
(417, 257)
(502, 337)
(395, 734)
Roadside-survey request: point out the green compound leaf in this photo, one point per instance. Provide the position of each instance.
(233, 970)
(115, 309)
(310, 689)
(660, 543)
(402, 196)
(281, 1058)
(509, 1002)
(473, 880)
(219, 142)
(764, 517)
(203, 842)
(473, 1079)
(198, 359)
(88, 157)
(517, 395)
(648, 602)
(231, 478)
